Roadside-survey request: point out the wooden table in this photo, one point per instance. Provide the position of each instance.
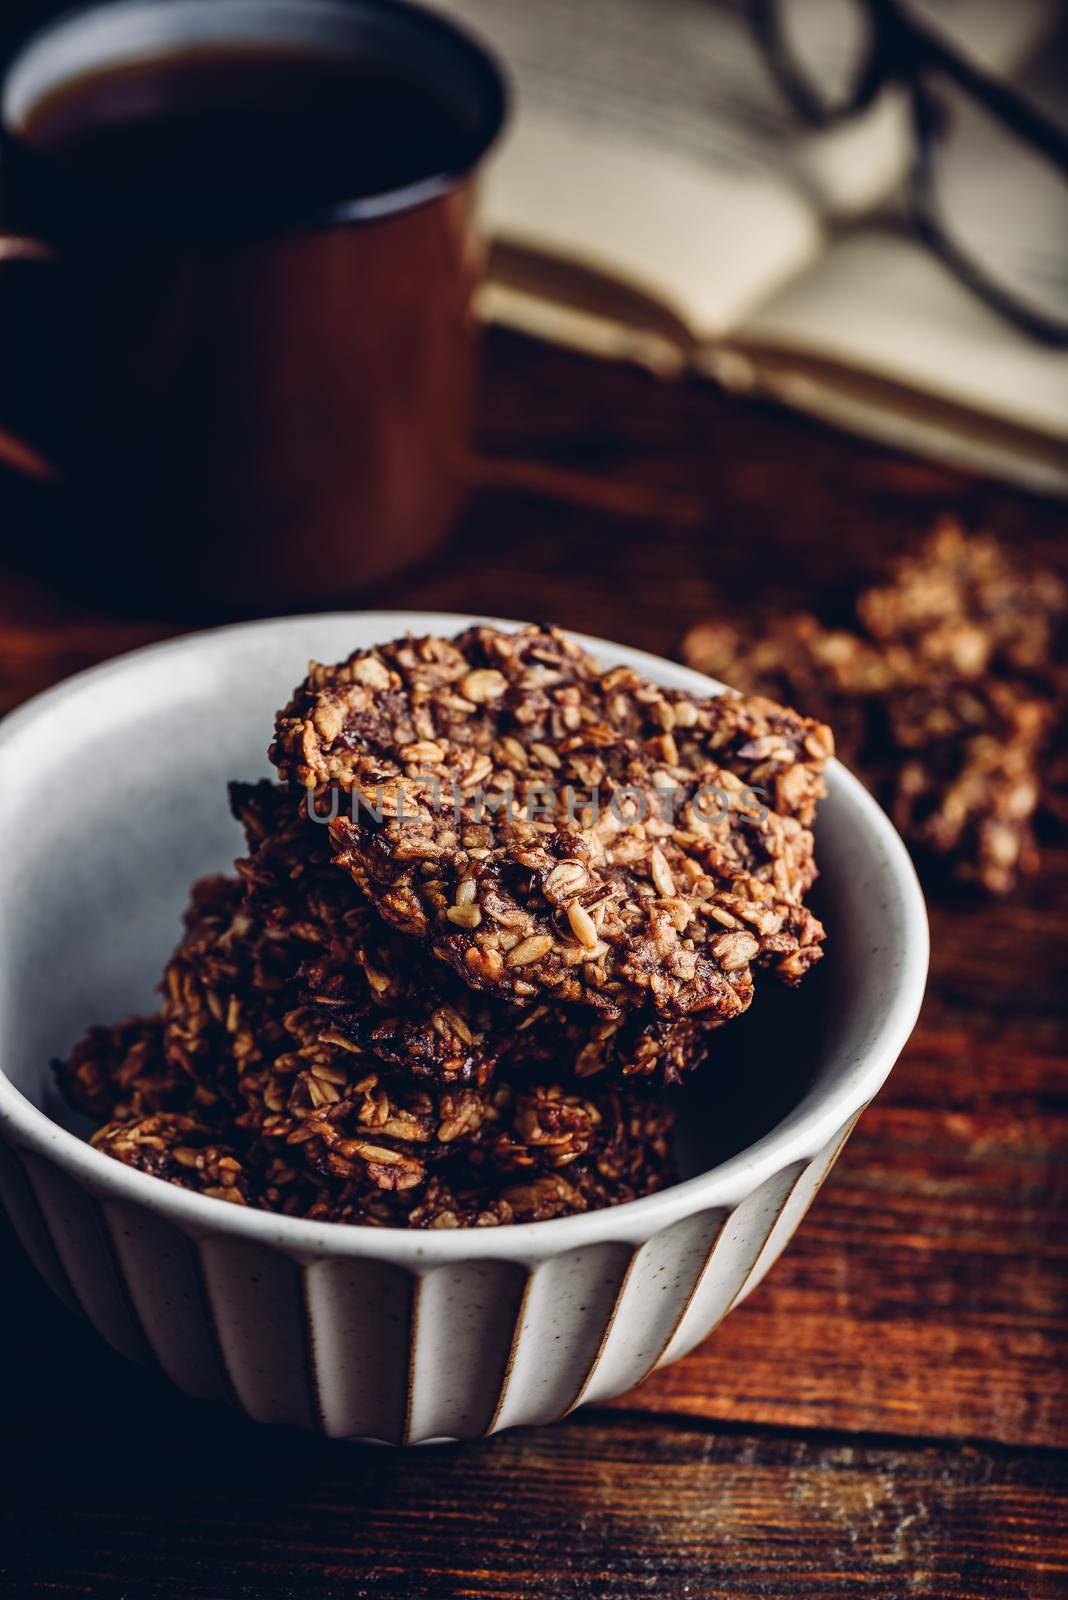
(887, 1414)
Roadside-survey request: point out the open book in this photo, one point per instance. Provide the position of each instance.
(656, 199)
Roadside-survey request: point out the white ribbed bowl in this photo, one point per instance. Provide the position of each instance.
(112, 800)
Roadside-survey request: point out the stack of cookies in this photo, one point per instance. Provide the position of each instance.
(491, 913)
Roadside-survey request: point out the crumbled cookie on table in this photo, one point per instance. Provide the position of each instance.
(947, 699)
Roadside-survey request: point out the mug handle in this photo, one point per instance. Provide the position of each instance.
(15, 452)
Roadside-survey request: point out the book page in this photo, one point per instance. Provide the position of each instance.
(881, 305)
(650, 145)
(899, 416)
(637, 150)
(882, 302)
(709, 247)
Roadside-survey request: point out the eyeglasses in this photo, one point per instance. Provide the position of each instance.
(988, 186)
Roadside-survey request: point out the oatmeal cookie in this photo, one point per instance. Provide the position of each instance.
(218, 991)
(377, 990)
(836, 674)
(511, 1153)
(625, 1153)
(300, 1103)
(967, 785)
(179, 1148)
(946, 699)
(556, 832)
(965, 606)
(120, 1074)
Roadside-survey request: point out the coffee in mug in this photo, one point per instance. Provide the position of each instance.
(251, 226)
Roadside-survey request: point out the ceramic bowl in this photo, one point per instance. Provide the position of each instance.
(112, 800)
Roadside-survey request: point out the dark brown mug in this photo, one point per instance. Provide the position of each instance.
(268, 399)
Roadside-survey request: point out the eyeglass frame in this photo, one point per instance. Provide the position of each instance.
(902, 49)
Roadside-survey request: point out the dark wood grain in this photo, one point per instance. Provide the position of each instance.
(120, 1489)
(925, 1293)
(612, 1508)
(887, 1414)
